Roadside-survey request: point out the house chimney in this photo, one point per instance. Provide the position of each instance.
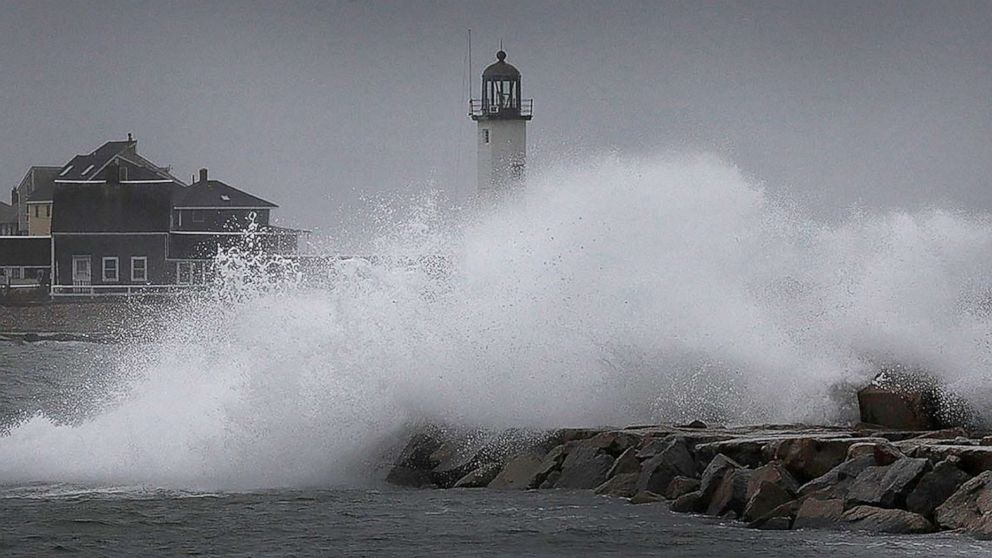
(203, 175)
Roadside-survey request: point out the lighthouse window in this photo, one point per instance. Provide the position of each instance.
(485, 135)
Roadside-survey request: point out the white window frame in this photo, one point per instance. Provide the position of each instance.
(117, 269)
(135, 278)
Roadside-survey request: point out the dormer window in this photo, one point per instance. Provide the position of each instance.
(88, 169)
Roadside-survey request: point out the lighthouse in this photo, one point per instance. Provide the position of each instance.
(501, 116)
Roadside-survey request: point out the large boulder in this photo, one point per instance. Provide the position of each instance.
(786, 512)
(527, 470)
(936, 487)
(879, 520)
(974, 459)
(911, 400)
(887, 487)
(969, 506)
(623, 485)
(731, 493)
(689, 503)
(883, 451)
(767, 496)
(625, 464)
(413, 465)
(673, 460)
(713, 475)
(835, 482)
(680, 486)
(811, 457)
(584, 467)
(774, 473)
(479, 477)
(815, 513)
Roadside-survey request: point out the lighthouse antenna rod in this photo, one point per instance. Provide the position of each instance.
(470, 80)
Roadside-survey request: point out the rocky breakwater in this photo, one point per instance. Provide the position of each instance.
(767, 477)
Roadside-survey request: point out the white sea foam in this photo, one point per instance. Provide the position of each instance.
(616, 291)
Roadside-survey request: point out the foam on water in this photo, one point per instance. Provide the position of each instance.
(616, 291)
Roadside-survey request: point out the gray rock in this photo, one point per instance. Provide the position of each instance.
(883, 452)
(787, 510)
(623, 485)
(765, 498)
(584, 467)
(774, 473)
(713, 475)
(936, 487)
(645, 497)
(550, 481)
(672, 461)
(626, 463)
(743, 451)
(680, 486)
(966, 508)
(837, 480)
(887, 487)
(810, 457)
(413, 465)
(819, 514)
(731, 493)
(479, 477)
(880, 520)
(689, 503)
(519, 473)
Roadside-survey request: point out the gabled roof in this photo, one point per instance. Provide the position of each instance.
(136, 174)
(8, 214)
(112, 208)
(42, 178)
(84, 167)
(215, 194)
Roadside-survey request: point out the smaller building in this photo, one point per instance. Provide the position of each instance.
(37, 178)
(8, 220)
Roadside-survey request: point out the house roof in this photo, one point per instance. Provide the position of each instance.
(215, 194)
(8, 213)
(112, 208)
(136, 174)
(42, 179)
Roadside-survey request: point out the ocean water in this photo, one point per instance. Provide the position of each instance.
(614, 291)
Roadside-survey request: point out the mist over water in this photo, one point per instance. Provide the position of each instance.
(615, 291)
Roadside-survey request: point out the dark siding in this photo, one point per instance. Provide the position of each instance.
(112, 208)
(217, 220)
(27, 251)
(123, 246)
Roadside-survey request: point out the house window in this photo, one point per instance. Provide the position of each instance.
(139, 269)
(110, 270)
(485, 135)
(48, 211)
(37, 211)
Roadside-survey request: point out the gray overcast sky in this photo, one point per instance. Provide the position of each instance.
(313, 104)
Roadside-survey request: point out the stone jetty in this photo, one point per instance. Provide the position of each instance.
(866, 477)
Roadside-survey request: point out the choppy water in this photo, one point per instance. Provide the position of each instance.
(617, 291)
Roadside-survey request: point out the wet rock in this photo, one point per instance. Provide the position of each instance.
(413, 466)
(880, 520)
(689, 503)
(910, 400)
(713, 475)
(584, 467)
(974, 459)
(672, 461)
(819, 514)
(774, 473)
(887, 487)
(730, 494)
(680, 486)
(786, 511)
(968, 506)
(626, 463)
(744, 451)
(479, 477)
(613, 443)
(622, 485)
(550, 481)
(765, 498)
(883, 451)
(936, 487)
(811, 457)
(836, 481)
(521, 473)
(645, 497)
(696, 424)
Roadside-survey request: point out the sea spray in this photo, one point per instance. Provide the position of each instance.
(615, 291)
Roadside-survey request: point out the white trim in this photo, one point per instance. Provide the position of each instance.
(117, 269)
(88, 169)
(162, 181)
(80, 181)
(109, 233)
(226, 207)
(38, 202)
(142, 259)
(24, 236)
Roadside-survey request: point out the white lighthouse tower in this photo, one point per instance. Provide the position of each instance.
(502, 115)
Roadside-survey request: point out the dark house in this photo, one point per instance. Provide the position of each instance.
(111, 231)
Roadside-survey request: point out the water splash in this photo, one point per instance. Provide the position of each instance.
(616, 291)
